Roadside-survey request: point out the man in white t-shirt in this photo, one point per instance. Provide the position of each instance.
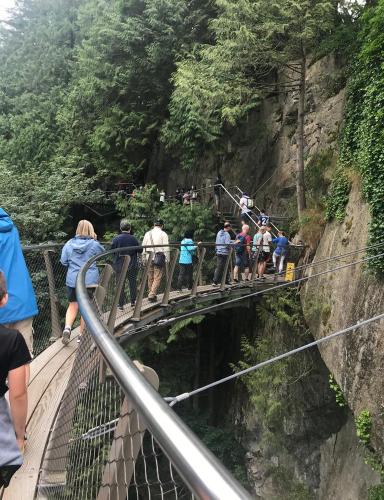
(265, 254)
(245, 211)
(158, 240)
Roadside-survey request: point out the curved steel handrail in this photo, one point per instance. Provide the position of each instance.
(206, 477)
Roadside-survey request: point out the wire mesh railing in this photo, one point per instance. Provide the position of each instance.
(48, 279)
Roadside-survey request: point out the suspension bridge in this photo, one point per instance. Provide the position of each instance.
(97, 427)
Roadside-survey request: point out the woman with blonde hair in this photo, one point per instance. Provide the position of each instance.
(76, 252)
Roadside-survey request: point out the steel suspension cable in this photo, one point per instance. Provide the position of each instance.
(352, 328)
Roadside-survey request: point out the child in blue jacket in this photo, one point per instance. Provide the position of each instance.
(187, 251)
(75, 254)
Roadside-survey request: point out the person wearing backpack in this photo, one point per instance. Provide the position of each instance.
(242, 254)
(281, 250)
(158, 239)
(245, 210)
(187, 253)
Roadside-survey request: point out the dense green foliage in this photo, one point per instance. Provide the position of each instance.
(363, 144)
(84, 90)
(144, 208)
(93, 91)
(218, 84)
(340, 399)
(338, 195)
(364, 426)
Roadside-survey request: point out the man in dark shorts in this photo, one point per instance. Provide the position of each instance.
(14, 360)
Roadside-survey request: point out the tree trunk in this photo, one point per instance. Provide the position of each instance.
(300, 181)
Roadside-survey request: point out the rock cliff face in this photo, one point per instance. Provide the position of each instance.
(260, 156)
(264, 153)
(335, 301)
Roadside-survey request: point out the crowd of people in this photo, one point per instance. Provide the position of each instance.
(18, 304)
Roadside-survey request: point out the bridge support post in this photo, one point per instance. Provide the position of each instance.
(198, 272)
(168, 284)
(139, 301)
(101, 289)
(53, 299)
(126, 446)
(226, 267)
(113, 311)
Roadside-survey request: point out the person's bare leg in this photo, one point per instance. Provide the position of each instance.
(260, 269)
(236, 273)
(71, 314)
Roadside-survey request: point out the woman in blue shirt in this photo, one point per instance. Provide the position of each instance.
(76, 252)
(187, 251)
(281, 250)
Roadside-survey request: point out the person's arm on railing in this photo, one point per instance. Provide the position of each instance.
(18, 401)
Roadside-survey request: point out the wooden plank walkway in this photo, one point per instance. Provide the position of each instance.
(50, 373)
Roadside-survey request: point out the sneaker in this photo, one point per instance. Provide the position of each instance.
(133, 304)
(214, 284)
(66, 335)
(152, 299)
(235, 280)
(78, 339)
(121, 308)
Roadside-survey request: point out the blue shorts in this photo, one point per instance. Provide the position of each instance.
(242, 260)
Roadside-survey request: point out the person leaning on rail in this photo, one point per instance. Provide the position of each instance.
(159, 239)
(76, 252)
(21, 307)
(14, 362)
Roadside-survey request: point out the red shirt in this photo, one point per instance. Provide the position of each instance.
(248, 241)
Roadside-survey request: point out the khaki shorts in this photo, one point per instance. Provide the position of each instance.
(26, 329)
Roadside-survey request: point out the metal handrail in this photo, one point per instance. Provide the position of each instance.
(206, 477)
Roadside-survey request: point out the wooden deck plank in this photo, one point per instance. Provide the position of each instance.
(24, 482)
(48, 354)
(42, 380)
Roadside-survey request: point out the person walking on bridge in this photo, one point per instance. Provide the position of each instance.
(125, 240)
(263, 241)
(157, 241)
(14, 362)
(281, 250)
(21, 306)
(76, 252)
(223, 244)
(187, 253)
(242, 251)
